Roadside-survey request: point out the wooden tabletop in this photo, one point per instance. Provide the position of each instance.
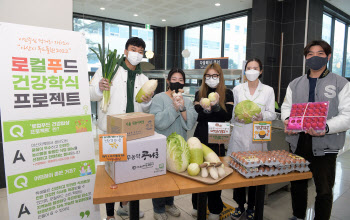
(172, 185)
(155, 187)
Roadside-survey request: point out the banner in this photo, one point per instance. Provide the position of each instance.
(46, 124)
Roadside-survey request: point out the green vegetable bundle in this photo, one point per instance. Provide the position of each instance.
(110, 63)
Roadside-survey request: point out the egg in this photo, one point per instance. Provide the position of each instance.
(272, 168)
(294, 160)
(267, 169)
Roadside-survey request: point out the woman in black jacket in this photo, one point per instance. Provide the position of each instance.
(218, 111)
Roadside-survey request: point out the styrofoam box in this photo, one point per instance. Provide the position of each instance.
(146, 158)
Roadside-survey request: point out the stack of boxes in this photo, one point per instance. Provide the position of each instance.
(146, 149)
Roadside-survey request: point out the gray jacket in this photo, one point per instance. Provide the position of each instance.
(329, 87)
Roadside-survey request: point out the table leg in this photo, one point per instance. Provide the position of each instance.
(259, 202)
(134, 210)
(202, 206)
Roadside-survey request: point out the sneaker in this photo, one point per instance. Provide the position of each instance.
(295, 218)
(250, 214)
(172, 210)
(213, 216)
(194, 212)
(124, 211)
(237, 214)
(160, 216)
(110, 218)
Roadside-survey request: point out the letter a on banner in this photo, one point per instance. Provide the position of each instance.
(48, 143)
(18, 156)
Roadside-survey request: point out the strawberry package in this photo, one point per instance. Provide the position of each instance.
(304, 116)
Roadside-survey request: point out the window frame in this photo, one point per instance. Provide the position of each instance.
(222, 19)
(337, 15)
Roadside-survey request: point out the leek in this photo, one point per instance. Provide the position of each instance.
(110, 63)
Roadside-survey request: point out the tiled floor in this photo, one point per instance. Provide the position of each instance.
(278, 206)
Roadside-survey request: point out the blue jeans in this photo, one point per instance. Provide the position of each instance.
(159, 204)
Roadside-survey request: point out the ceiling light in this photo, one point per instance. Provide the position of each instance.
(136, 15)
(102, 9)
(163, 20)
(217, 4)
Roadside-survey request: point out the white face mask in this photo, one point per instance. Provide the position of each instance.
(134, 58)
(212, 83)
(252, 75)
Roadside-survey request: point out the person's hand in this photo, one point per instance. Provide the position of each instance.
(147, 98)
(312, 132)
(239, 120)
(257, 117)
(216, 100)
(104, 85)
(204, 106)
(178, 102)
(288, 131)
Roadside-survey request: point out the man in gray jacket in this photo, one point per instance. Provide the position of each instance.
(320, 149)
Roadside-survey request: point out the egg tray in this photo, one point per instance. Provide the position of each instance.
(272, 158)
(266, 170)
(304, 116)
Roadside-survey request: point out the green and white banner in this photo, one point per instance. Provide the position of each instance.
(46, 124)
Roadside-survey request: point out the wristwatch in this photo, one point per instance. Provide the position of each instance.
(183, 109)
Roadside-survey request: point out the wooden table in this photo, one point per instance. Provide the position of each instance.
(235, 180)
(173, 185)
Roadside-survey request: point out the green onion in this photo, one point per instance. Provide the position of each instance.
(110, 63)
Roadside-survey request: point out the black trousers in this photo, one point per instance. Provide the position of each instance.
(323, 171)
(110, 209)
(215, 203)
(239, 195)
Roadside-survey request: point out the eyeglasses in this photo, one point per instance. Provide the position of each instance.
(207, 76)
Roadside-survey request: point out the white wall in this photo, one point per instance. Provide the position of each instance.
(43, 13)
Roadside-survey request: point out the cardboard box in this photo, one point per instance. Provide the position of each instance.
(135, 125)
(146, 158)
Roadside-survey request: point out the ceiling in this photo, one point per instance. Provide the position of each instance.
(176, 12)
(343, 5)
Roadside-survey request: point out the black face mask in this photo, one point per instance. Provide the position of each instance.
(316, 62)
(175, 86)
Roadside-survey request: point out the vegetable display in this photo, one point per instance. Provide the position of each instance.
(194, 156)
(178, 153)
(147, 89)
(246, 110)
(110, 63)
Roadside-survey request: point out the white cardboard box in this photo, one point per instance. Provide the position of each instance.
(146, 158)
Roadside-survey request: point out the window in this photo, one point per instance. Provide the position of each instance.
(334, 31)
(116, 36)
(212, 35)
(191, 42)
(145, 34)
(338, 48)
(93, 35)
(326, 28)
(236, 41)
(347, 69)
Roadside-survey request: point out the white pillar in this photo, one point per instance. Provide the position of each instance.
(42, 13)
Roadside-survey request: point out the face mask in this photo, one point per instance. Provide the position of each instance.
(316, 62)
(212, 83)
(252, 75)
(134, 58)
(175, 86)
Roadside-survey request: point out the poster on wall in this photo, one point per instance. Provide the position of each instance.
(46, 124)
